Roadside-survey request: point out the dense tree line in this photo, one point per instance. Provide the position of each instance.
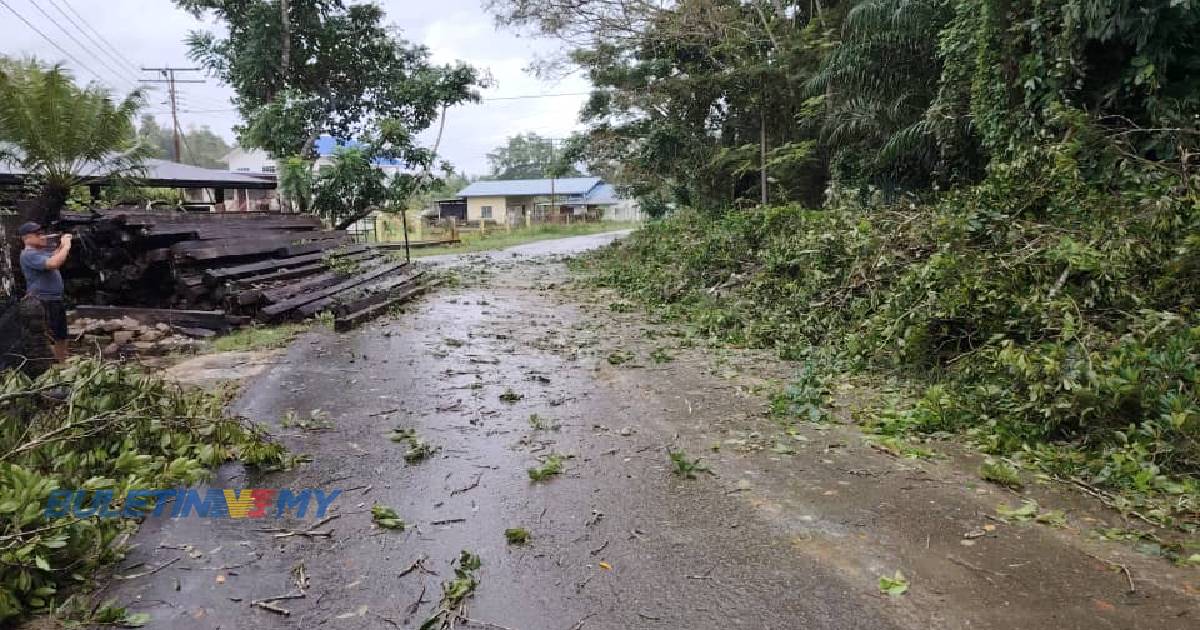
(693, 97)
(200, 145)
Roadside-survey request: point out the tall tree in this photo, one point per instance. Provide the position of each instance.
(63, 134)
(201, 146)
(328, 68)
(529, 156)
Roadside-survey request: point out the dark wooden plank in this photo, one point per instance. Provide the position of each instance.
(361, 293)
(356, 300)
(350, 320)
(279, 308)
(215, 275)
(264, 237)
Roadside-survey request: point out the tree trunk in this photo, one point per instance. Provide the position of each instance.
(285, 19)
(348, 221)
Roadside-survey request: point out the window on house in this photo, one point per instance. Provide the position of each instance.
(485, 212)
(268, 168)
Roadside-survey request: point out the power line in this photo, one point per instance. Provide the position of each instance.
(169, 78)
(127, 74)
(51, 41)
(486, 100)
(132, 66)
(78, 43)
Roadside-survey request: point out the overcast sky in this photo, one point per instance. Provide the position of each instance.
(150, 33)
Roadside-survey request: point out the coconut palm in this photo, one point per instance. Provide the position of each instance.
(65, 135)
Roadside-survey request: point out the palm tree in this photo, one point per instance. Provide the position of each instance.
(65, 135)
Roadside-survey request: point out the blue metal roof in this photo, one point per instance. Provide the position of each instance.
(602, 195)
(530, 187)
(327, 144)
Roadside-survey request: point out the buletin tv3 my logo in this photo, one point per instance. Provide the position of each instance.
(191, 503)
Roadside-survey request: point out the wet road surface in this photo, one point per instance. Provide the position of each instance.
(771, 540)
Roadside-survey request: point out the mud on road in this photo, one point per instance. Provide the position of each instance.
(518, 363)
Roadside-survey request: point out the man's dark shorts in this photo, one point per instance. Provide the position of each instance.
(56, 319)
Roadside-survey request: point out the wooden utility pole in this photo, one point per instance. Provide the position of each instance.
(168, 77)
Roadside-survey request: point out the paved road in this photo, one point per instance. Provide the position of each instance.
(771, 540)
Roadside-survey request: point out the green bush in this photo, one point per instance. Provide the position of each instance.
(116, 429)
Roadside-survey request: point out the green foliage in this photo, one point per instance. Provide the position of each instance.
(887, 97)
(118, 429)
(806, 398)
(200, 146)
(418, 450)
(894, 585)
(684, 466)
(386, 517)
(528, 156)
(64, 134)
(1052, 304)
(552, 465)
(258, 338)
(350, 188)
(1001, 473)
(455, 592)
(296, 183)
(516, 535)
(344, 73)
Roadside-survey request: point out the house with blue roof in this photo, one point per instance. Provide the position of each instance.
(515, 201)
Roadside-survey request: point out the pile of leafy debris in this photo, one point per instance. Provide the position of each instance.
(97, 426)
(1049, 311)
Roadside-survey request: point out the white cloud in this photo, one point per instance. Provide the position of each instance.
(151, 33)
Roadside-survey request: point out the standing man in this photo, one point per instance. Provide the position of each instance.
(44, 283)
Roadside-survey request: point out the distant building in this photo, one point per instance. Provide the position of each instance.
(546, 200)
(258, 161)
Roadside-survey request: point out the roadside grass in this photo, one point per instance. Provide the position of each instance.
(258, 338)
(499, 238)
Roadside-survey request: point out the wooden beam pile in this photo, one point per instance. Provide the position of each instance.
(267, 266)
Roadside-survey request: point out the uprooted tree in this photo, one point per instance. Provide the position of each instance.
(301, 69)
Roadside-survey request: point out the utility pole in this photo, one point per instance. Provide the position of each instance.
(168, 77)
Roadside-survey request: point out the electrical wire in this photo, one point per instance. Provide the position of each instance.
(131, 72)
(118, 53)
(51, 41)
(82, 47)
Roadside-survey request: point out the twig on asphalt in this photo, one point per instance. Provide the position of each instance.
(486, 624)
(599, 549)
(311, 532)
(413, 607)
(707, 575)
(419, 563)
(1124, 569)
(964, 563)
(448, 521)
(134, 576)
(472, 486)
(276, 598)
(269, 606)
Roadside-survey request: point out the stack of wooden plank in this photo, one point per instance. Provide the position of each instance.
(267, 266)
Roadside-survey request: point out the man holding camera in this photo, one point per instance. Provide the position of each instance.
(40, 263)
